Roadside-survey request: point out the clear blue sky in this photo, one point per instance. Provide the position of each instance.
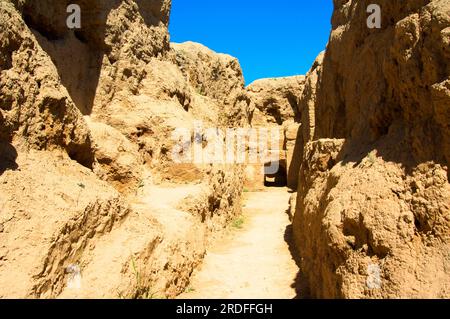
(270, 38)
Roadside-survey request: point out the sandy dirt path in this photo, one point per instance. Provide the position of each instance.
(253, 261)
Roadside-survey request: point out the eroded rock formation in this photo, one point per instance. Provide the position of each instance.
(92, 203)
(276, 100)
(87, 181)
(373, 207)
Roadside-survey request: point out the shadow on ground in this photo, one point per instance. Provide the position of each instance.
(300, 282)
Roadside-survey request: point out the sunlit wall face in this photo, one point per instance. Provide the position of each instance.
(270, 39)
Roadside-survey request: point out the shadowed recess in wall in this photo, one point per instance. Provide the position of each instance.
(77, 54)
(8, 155)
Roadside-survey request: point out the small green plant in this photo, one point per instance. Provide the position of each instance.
(201, 91)
(139, 291)
(140, 185)
(82, 187)
(372, 157)
(238, 223)
(189, 290)
(246, 190)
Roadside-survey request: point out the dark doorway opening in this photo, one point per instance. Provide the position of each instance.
(278, 178)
